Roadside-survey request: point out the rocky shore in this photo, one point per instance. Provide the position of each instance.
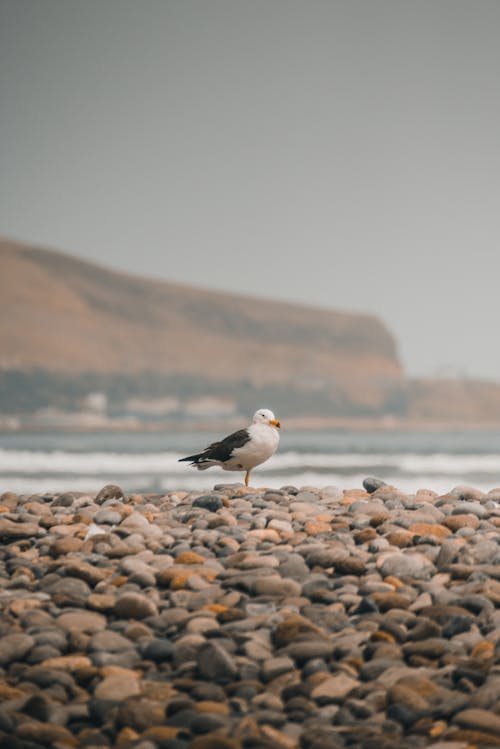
(249, 618)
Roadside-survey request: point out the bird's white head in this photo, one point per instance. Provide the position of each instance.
(265, 416)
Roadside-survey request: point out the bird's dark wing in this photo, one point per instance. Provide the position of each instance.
(221, 450)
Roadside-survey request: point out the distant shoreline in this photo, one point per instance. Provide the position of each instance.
(384, 424)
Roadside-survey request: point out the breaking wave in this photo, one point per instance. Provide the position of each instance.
(87, 463)
(38, 471)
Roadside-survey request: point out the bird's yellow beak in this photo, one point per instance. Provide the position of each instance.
(275, 423)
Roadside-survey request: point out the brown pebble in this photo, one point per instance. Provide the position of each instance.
(438, 533)
(405, 695)
(367, 534)
(68, 663)
(401, 538)
(214, 741)
(65, 545)
(46, 733)
(455, 522)
(160, 734)
(189, 557)
(387, 601)
(334, 689)
(209, 706)
(110, 491)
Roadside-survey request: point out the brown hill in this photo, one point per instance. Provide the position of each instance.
(448, 400)
(61, 314)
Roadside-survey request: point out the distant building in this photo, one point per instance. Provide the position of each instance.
(96, 403)
(152, 407)
(210, 407)
(53, 418)
(9, 423)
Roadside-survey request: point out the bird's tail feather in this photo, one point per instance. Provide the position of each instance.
(192, 458)
(199, 461)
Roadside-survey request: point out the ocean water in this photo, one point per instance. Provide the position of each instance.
(35, 463)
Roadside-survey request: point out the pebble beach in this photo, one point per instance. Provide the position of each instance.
(250, 618)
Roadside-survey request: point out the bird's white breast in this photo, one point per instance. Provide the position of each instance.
(263, 443)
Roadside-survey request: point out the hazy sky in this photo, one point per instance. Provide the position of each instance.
(340, 153)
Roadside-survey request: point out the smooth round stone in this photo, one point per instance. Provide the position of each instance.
(461, 520)
(14, 647)
(64, 500)
(379, 545)
(449, 552)
(258, 502)
(158, 650)
(273, 667)
(78, 568)
(210, 502)
(375, 669)
(82, 621)
(140, 713)
(46, 734)
(390, 600)
(465, 532)
(433, 533)
(414, 566)
(10, 500)
(215, 663)
(491, 589)
(423, 629)
(201, 624)
(186, 648)
(371, 484)
(207, 723)
(67, 663)
(110, 491)
(103, 602)
(282, 526)
(303, 651)
(118, 687)
(52, 636)
(109, 641)
(326, 556)
(107, 516)
(334, 689)
(317, 527)
(434, 647)
(472, 508)
(350, 565)
(276, 586)
(10, 530)
(42, 653)
(485, 551)
(68, 591)
(65, 545)
(331, 493)
(144, 578)
(479, 720)
(464, 492)
(293, 567)
(248, 560)
(134, 606)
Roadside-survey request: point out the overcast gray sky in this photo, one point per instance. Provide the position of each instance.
(340, 153)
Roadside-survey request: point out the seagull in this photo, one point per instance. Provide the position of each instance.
(244, 449)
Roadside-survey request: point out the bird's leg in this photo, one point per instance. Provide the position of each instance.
(247, 477)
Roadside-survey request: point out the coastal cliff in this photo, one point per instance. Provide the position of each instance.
(63, 318)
